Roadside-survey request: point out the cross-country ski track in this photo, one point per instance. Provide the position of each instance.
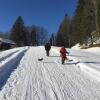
(23, 77)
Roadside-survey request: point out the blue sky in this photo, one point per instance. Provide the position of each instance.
(46, 13)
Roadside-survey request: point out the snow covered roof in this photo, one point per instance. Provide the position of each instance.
(7, 41)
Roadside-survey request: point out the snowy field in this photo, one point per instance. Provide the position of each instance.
(23, 77)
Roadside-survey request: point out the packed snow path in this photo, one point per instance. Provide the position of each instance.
(48, 80)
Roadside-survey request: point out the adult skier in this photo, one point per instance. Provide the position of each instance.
(47, 48)
(63, 52)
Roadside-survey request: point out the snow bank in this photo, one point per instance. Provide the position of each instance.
(77, 46)
(95, 50)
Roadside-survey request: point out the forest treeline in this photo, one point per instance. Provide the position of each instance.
(24, 35)
(83, 27)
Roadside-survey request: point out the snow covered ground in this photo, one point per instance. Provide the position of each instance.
(23, 77)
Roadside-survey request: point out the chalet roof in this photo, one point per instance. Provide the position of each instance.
(7, 41)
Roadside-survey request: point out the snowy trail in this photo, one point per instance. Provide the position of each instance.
(48, 80)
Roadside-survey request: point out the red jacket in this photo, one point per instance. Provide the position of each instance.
(63, 52)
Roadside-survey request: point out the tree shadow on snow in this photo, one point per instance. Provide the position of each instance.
(8, 68)
(90, 62)
(54, 56)
(78, 56)
(48, 62)
(71, 63)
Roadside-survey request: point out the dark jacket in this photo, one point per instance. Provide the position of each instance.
(47, 46)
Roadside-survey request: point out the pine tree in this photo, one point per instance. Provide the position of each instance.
(84, 21)
(33, 37)
(98, 15)
(63, 32)
(52, 39)
(18, 33)
(59, 40)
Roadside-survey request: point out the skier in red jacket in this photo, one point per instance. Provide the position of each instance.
(63, 52)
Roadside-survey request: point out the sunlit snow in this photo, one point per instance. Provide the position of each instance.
(23, 77)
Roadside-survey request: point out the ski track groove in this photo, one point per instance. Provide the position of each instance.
(11, 85)
(60, 87)
(5, 57)
(52, 82)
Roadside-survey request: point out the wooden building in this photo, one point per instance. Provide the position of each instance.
(6, 44)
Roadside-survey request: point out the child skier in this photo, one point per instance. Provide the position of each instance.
(63, 52)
